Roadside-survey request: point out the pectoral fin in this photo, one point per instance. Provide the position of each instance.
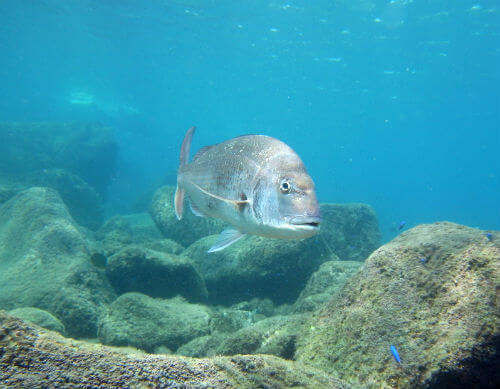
(195, 210)
(225, 239)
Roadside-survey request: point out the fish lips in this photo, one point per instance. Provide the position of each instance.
(306, 222)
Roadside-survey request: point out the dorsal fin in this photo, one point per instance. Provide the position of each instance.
(201, 151)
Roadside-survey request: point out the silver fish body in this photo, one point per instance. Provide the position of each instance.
(255, 183)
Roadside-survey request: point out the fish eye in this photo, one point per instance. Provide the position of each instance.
(285, 186)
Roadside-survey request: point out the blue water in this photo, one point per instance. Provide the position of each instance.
(392, 103)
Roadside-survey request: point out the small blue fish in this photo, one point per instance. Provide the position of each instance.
(401, 225)
(489, 236)
(423, 260)
(395, 353)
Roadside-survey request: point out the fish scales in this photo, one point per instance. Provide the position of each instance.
(256, 183)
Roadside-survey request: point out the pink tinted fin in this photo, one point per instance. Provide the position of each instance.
(226, 239)
(186, 146)
(183, 159)
(179, 202)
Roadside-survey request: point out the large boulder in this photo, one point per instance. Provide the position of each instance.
(32, 357)
(39, 317)
(85, 149)
(157, 274)
(138, 320)
(324, 283)
(185, 231)
(83, 202)
(254, 267)
(138, 228)
(432, 293)
(44, 262)
(274, 335)
(349, 231)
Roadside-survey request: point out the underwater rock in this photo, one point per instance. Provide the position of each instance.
(122, 230)
(254, 267)
(157, 274)
(167, 246)
(203, 346)
(8, 190)
(85, 149)
(275, 335)
(137, 320)
(324, 283)
(33, 357)
(348, 231)
(39, 317)
(185, 231)
(257, 306)
(432, 293)
(83, 202)
(227, 320)
(44, 262)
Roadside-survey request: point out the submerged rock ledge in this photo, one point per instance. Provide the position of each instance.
(33, 357)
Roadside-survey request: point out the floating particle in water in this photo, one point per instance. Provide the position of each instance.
(395, 354)
(273, 29)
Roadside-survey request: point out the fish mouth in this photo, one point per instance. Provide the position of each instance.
(309, 222)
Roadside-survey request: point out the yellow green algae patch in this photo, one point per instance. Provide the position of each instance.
(33, 357)
(433, 293)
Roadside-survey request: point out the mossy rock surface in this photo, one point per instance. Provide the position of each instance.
(39, 317)
(45, 262)
(32, 357)
(349, 232)
(432, 293)
(324, 283)
(254, 267)
(137, 320)
(157, 274)
(84, 203)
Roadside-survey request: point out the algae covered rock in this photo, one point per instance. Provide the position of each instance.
(432, 293)
(39, 317)
(121, 230)
(254, 267)
(348, 231)
(324, 283)
(32, 357)
(83, 202)
(157, 274)
(138, 320)
(44, 262)
(275, 335)
(185, 231)
(85, 149)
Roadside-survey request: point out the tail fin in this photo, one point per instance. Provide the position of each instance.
(183, 159)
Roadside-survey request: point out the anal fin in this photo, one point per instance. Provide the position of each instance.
(225, 239)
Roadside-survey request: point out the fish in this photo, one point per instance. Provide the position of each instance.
(255, 183)
(401, 225)
(395, 354)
